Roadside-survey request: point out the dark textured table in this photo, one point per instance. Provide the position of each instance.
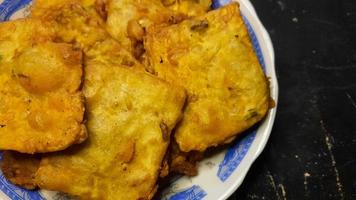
(311, 153)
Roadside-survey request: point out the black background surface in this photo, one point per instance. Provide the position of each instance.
(311, 153)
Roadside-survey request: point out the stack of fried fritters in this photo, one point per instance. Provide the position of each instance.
(160, 80)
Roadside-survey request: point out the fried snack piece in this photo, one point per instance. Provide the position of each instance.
(127, 20)
(188, 7)
(109, 53)
(41, 104)
(93, 5)
(213, 58)
(73, 22)
(20, 168)
(130, 117)
(78, 23)
(20, 34)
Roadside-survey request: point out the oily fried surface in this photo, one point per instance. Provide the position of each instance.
(20, 34)
(213, 58)
(20, 168)
(41, 105)
(130, 117)
(79, 23)
(110, 53)
(127, 20)
(72, 21)
(188, 7)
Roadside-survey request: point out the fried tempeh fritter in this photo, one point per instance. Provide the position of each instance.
(41, 103)
(71, 21)
(127, 20)
(130, 117)
(79, 23)
(188, 7)
(213, 58)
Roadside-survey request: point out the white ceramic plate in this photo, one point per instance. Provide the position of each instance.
(219, 175)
